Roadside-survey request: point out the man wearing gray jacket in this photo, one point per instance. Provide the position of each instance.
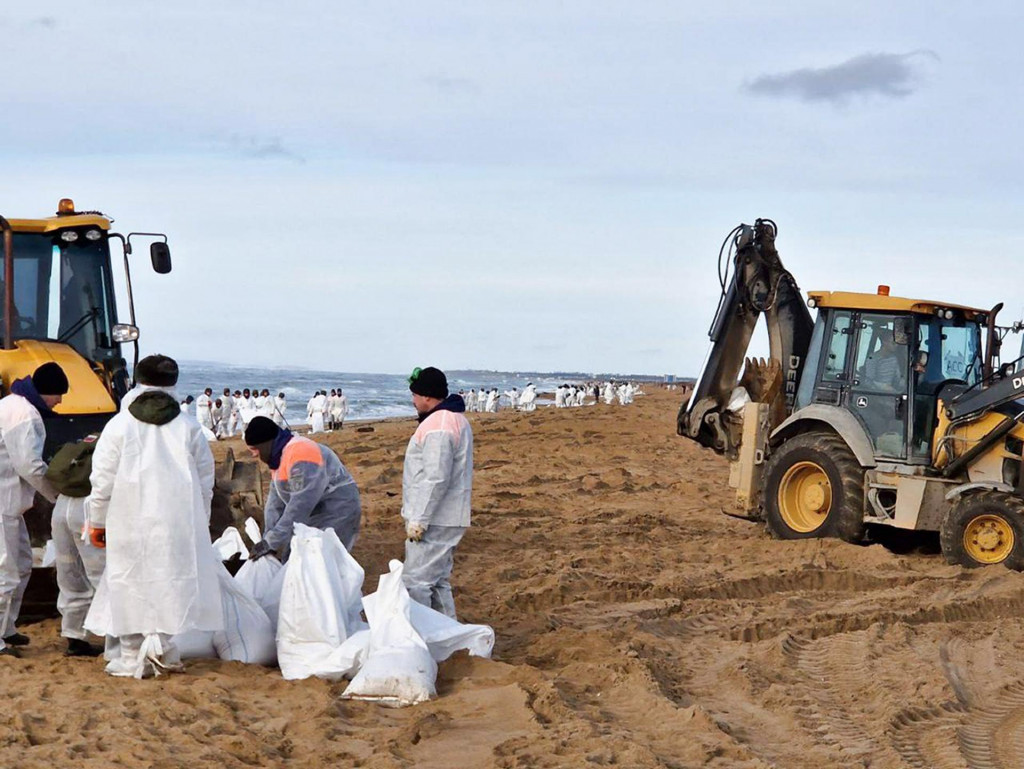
(436, 484)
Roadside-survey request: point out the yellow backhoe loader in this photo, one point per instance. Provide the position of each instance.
(881, 411)
(59, 305)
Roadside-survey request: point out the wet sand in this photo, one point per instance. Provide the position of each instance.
(636, 626)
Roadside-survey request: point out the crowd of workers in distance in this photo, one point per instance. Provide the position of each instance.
(135, 564)
(566, 395)
(228, 415)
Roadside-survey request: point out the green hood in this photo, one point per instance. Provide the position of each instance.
(155, 408)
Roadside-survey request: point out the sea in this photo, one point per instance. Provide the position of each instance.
(370, 396)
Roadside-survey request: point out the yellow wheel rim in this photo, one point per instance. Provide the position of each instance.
(988, 539)
(805, 497)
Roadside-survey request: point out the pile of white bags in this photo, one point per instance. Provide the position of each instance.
(307, 615)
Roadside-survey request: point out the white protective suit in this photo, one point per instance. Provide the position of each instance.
(280, 406)
(513, 398)
(481, 400)
(152, 483)
(259, 403)
(315, 411)
(22, 474)
(339, 409)
(528, 400)
(470, 400)
(492, 401)
(227, 421)
(204, 411)
(79, 565)
(437, 482)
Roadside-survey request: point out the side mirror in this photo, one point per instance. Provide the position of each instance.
(160, 255)
(901, 330)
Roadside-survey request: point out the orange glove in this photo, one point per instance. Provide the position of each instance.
(98, 536)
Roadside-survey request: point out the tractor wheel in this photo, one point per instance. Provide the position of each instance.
(814, 487)
(984, 528)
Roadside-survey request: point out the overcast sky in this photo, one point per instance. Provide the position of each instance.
(524, 185)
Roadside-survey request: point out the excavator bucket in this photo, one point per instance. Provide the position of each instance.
(237, 494)
(762, 380)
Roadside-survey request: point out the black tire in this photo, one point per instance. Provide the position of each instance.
(841, 516)
(985, 528)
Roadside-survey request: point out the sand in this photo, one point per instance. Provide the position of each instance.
(636, 626)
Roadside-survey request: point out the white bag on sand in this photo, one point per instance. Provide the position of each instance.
(195, 645)
(229, 544)
(247, 636)
(443, 635)
(262, 579)
(399, 669)
(320, 604)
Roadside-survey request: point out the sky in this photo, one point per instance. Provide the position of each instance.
(362, 186)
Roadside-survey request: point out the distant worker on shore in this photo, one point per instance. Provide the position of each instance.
(280, 406)
(437, 483)
(22, 474)
(528, 400)
(204, 409)
(309, 485)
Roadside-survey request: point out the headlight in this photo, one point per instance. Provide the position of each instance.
(92, 235)
(69, 236)
(812, 302)
(125, 332)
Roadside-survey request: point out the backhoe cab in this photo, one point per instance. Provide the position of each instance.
(882, 410)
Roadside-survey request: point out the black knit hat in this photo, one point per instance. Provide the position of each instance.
(260, 430)
(430, 382)
(50, 379)
(157, 371)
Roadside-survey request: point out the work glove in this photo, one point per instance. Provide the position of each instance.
(262, 548)
(415, 531)
(98, 536)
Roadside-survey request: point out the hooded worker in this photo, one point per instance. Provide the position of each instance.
(22, 474)
(309, 485)
(79, 562)
(437, 481)
(152, 483)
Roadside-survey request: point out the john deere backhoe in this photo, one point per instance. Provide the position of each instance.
(59, 305)
(879, 411)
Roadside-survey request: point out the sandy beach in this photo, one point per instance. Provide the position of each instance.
(636, 626)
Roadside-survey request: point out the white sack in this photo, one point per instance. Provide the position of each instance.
(252, 530)
(443, 635)
(195, 645)
(229, 544)
(248, 635)
(262, 579)
(49, 557)
(399, 669)
(320, 604)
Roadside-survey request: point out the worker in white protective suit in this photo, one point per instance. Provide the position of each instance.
(481, 400)
(227, 410)
(79, 563)
(309, 485)
(186, 405)
(492, 400)
(528, 400)
(513, 398)
(437, 482)
(152, 483)
(315, 412)
(470, 400)
(22, 474)
(280, 406)
(268, 404)
(339, 410)
(204, 409)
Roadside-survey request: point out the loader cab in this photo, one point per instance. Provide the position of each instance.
(884, 359)
(57, 291)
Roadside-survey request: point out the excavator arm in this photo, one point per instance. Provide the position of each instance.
(757, 284)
